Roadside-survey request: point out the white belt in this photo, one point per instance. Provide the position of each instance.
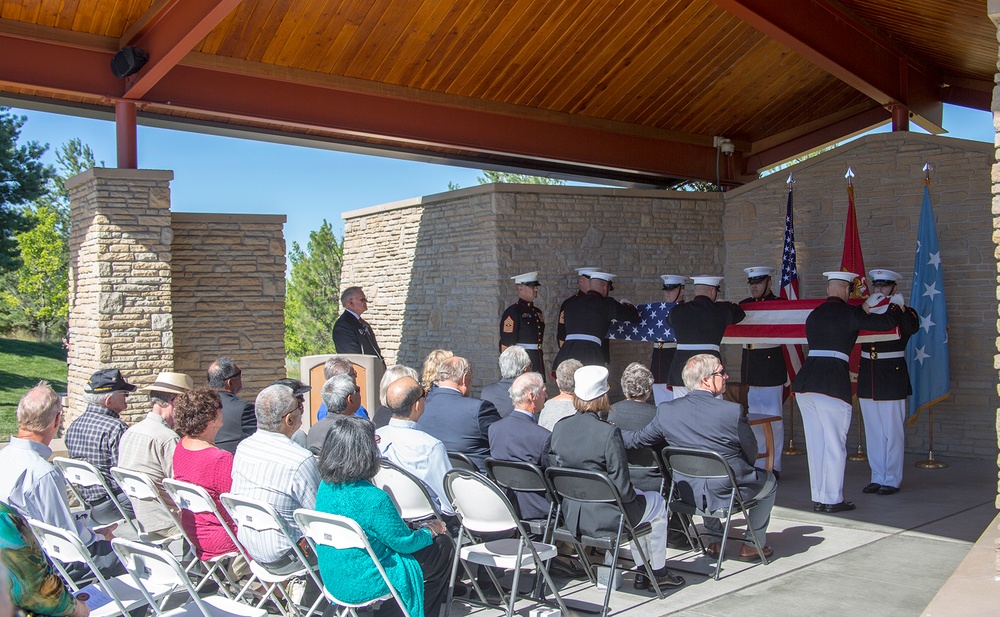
(693, 347)
(583, 337)
(752, 346)
(670, 345)
(883, 355)
(829, 353)
(528, 345)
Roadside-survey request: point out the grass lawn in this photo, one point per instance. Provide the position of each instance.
(22, 365)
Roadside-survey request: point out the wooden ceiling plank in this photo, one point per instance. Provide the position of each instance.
(411, 36)
(429, 29)
(265, 38)
(449, 60)
(485, 50)
(297, 12)
(383, 40)
(847, 48)
(244, 25)
(307, 22)
(325, 51)
(375, 15)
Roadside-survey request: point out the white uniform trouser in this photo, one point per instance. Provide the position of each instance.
(825, 421)
(766, 400)
(885, 439)
(654, 544)
(662, 393)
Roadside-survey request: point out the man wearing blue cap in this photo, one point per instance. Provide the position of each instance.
(95, 437)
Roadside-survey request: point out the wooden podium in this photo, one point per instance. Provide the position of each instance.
(368, 368)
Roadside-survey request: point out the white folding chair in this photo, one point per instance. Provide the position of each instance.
(81, 474)
(140, 488)
(63, 546)
(414, 503)
(261, 516)
(342, 533)
(147, 564)
(483, 508)
(195, 499)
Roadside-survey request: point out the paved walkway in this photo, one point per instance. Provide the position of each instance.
(889, 557)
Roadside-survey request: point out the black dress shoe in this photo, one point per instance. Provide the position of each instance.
(871, 488)
(843, 506)
(641, 582)
(888, 490)
(669, 579)
(817, 506)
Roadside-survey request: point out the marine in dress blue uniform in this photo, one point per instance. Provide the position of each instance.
(587, 319)
(823, 386)
(663, 353)
(699, 326)
(763, 368)
(883, 385)
(522, 323)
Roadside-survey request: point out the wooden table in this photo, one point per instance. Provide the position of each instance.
(766, 421)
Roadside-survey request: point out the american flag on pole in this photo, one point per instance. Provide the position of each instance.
(794, 356)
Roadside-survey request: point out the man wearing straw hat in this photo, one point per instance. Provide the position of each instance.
(522, 323)
(883, 385)
(148, 447)
(823, 386)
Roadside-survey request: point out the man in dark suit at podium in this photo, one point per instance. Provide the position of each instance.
(351, 333)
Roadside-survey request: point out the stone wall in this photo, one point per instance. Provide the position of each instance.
(152, 291)
(888, 194)
(119, 286)
(436, 269)
(228, 292)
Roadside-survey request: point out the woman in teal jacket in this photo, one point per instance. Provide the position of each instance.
(417, 562)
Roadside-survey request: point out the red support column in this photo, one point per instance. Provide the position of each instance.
(900, 117)
(125, 130)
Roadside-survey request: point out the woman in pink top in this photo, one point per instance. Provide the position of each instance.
(198, 416)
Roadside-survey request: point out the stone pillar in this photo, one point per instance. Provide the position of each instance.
(993, 9)
(119, 279)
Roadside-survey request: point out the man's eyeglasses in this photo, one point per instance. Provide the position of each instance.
(298, 406)
(423, 394)
(234, 375)
(720, 373)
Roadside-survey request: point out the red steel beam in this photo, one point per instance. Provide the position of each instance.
(848, 49)
(71, 69)
(809, 142)
(176, 28)
(125, 135)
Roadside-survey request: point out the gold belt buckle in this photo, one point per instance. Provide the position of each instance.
(873, 355)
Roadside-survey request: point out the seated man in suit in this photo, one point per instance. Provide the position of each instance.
(239, 420)
(514, 361)
(699, 420)
(342, 397)
(403, 443)
(461, 422)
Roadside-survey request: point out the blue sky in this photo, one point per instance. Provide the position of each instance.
(225, 174)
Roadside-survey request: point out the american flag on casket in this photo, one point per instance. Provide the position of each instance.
(780, 322)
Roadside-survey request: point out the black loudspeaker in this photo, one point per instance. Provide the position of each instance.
(128, 61)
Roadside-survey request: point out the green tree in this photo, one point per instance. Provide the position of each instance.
(509, 178)
(23, 179)
(312, 302)
(35, 297)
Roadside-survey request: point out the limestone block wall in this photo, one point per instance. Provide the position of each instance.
(888, 195)
(119, 288)
(436, 269)
(228, 291)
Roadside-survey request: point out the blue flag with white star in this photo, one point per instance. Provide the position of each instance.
(652, 325)
(927, 350)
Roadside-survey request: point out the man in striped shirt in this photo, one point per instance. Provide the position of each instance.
(270, 467)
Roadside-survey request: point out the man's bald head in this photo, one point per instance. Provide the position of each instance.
(403, 398)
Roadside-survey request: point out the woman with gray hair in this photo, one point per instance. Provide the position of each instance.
(417, 562)
(558, 407)
(397, 371)
(633, 414)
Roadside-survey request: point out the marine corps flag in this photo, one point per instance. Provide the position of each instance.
(853, 261)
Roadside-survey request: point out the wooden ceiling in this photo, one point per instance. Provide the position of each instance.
(621, 91)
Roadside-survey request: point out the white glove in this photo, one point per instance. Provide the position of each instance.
(873, 299)
(624, 301)
(897, 300)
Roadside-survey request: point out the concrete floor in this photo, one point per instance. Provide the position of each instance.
(889, 557)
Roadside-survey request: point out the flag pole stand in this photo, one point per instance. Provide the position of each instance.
(930, 462)
(860, 455)
(790, 449)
